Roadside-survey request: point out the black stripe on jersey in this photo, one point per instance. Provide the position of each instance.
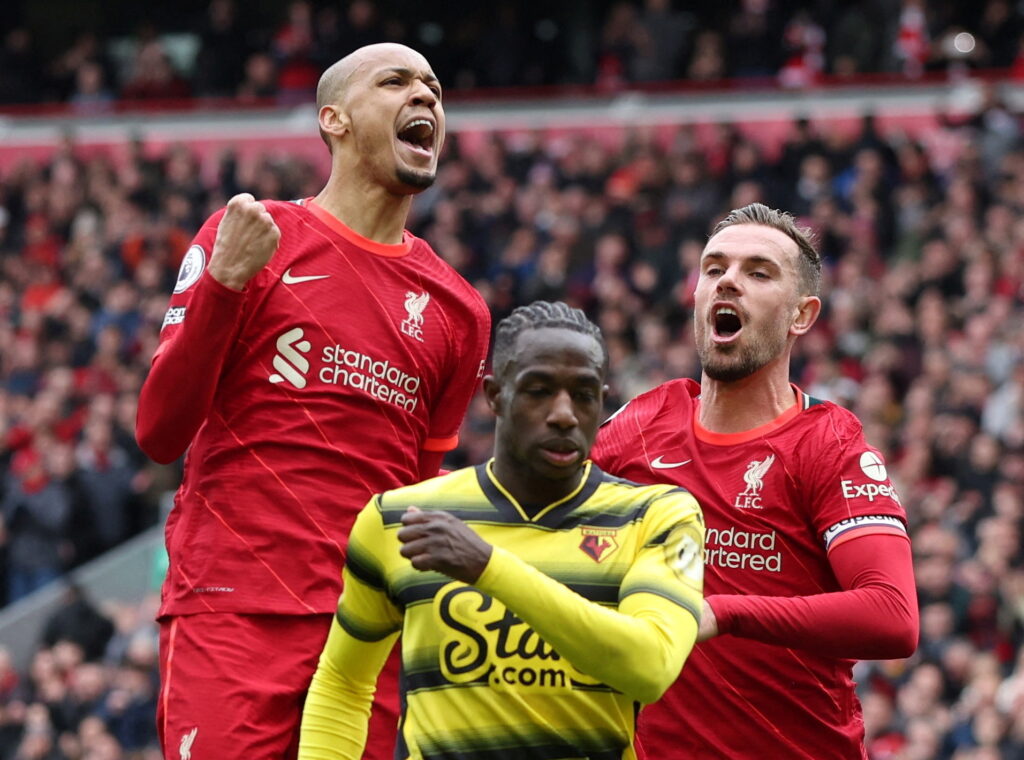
(355, 630)
(552, 519)
(428, 680)
(686, 605)
(556, 751)
(369, 574)
(410, 594)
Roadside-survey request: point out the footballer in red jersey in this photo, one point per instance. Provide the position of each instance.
(807, 557)
(314, 353)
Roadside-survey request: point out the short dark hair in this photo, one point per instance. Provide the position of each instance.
(536, 316)
(809, 265)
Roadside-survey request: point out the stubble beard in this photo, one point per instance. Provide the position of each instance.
(418, 180)
(740, 360)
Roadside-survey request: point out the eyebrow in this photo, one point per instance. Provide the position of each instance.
(583, 376)
(427, 76)
(754, 259)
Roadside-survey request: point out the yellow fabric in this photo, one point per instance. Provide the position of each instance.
(584, 610)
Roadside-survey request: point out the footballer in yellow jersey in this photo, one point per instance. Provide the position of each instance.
(540, 601)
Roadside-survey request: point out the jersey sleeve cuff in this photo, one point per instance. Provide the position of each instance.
(441, 444)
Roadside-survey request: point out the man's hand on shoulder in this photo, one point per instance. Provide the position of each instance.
(440, 541)
(246, 239)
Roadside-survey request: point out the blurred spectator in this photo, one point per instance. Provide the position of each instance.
(754, 33)
(260, 80)
(222, 50)
(91, 95)
(293, 47)
(153, 76)
(19, 67)
(78, 622)
(36, 510)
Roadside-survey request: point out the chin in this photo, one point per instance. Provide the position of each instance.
(419, 180)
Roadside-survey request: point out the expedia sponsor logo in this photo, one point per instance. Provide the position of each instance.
(868, 491)
(872, 465)
(743, 550)
(338, 365)
(483, 639)
(174, 316)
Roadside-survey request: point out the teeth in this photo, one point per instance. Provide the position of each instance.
(417, 122)
(727, 310)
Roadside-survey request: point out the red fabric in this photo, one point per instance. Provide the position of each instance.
(874, 618)
(217, 678)
(301, 398)
(773, 500)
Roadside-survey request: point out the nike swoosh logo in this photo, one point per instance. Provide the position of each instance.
(658, 464)
(288, 279)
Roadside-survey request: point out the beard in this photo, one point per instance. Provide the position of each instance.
(419, 180)
(739, 360)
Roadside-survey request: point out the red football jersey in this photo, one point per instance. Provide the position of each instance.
(347, 358)
(775, 499)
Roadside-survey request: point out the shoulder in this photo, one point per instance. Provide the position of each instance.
(675, 394)
(287, 212)
(443, 283)
(442, 492)
(638, 498)
(829, 421)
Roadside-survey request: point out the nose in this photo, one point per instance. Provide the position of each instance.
(562, 415)
(728, 281)
(422, 95)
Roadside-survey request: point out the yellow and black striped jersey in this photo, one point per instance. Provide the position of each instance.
(585, 610)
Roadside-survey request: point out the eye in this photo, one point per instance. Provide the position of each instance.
(713, 270)
(585, 396)
(436, 90)
(760, 275)
(392, 81)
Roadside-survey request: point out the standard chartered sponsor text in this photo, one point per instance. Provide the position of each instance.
(742, 550)
(376, 377)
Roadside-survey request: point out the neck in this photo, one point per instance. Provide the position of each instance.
(740, 405)
(368, 208)
(532, 492)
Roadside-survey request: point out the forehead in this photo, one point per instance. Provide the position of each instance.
(753, 240)
(378, 61)
(552, 348)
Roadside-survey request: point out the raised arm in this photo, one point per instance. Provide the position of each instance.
(201, 325)
(638, 648)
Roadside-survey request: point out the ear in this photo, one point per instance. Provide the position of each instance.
(807, 310)
(333, 121)
(492, 392)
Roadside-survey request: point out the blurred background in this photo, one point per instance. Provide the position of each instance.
(591, 147)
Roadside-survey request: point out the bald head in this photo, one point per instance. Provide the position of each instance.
(334, 82)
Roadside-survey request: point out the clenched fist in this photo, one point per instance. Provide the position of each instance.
(435, 540)
(246, 239)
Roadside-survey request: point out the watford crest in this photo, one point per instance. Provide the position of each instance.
(598, 543)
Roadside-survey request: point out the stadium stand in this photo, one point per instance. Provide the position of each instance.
(917, 207)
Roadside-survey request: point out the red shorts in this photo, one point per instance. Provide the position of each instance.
(233, 686)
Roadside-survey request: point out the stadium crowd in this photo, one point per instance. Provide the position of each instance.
(274, 52)
(922, 337)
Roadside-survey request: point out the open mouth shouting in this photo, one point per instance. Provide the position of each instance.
(726, 324)
(418, 135)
